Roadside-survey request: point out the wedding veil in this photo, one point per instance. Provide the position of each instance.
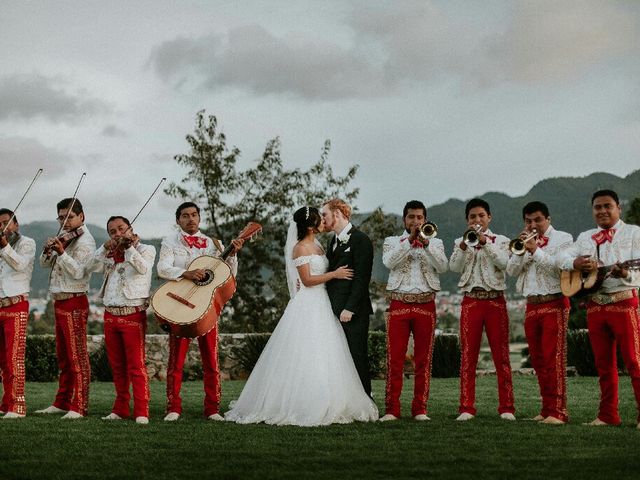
(292, 272)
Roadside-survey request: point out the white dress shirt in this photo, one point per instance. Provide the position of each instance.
(71, 271)
(126, 284)
(342, 235)
(624, 246)
(176, 255)
(16, 267)
(482, 267)
(413, 270)
(538, 274)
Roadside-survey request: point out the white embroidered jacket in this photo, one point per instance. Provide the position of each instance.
(71, 271)
(625, 246)
(176, 255)
(484, 267)
(16, 267)
(126, 284)
(538, 274)
(413, 270)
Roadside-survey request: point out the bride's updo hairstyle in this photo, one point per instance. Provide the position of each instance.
(306, 217)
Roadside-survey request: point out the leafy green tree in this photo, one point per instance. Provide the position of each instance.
(633, 212)
(266, 193)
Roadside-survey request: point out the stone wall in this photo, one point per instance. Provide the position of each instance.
(157, 348)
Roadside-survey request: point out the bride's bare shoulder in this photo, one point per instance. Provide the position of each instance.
(302, 249)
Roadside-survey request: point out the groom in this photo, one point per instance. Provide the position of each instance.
(350, 298)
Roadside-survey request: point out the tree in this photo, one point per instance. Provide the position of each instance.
(633, 212)
(266, 193)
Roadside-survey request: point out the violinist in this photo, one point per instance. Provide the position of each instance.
(17, 255)
(127, 264)
(69, 256)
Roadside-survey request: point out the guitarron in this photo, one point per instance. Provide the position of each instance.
(187, 308)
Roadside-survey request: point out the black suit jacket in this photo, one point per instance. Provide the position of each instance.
(352, 295)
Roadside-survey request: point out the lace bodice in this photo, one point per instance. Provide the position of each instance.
(318, 264)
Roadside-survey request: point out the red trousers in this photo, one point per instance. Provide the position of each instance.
(404, 319)
(617, 323)
(13, 338)
(178, 348)
(492, 315)
(124, 341)
(73, 358)
(545, 325)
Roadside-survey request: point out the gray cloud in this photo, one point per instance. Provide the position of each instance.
(253, 59)
(551, 41)
(31, 96)
(113, 131)
(21, 157)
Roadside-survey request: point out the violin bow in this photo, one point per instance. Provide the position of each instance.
(130, 227)
(38, 173)
(73, 202)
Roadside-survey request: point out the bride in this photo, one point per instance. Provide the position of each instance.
(305, 375)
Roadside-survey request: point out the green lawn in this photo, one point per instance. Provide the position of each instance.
(486, 447)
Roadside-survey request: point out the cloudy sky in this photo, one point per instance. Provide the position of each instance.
(433, 99)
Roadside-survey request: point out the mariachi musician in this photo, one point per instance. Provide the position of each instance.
(17, 255)
(69, 256)
(127, 265)
(533, 262)
(415, 260)
(612, 311)
(176, 253)
(481, 257)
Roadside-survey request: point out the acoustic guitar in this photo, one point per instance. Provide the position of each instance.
(187, 308)
(575, 282)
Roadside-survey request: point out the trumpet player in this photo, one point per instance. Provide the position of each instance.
(481, 256)
(415, 260)
(17, 255)
(533, 262)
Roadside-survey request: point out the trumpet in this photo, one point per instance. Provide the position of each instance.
(427, 231)
(517, 244)
(471, 237)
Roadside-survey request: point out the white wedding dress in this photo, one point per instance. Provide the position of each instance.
(305, 375)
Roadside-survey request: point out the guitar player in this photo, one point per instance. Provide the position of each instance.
(612, 312)
(176, 253)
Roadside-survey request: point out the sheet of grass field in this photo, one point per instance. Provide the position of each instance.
(487, 447)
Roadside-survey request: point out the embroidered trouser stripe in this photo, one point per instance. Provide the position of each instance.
(611, 325)
(545, 326)
(124, 340)
(73, 357)
(492, 315)
(404, 319)
(13, 335)
(178, 348)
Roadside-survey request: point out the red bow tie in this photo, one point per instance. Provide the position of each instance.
(490, 237)
(605, 235)
(195, 241)
(415, 244)
(542, 241)
(117, 255)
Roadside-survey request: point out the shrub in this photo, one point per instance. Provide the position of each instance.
(40, 359)
(377, 354)
(446, 356)
(248, 352)
(100, 368)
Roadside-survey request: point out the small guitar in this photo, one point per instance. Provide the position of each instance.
(187, 308)
(575, 282)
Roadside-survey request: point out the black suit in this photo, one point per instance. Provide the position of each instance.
(353, 295)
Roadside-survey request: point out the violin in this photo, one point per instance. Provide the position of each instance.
(116, 248)
(65, 238)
